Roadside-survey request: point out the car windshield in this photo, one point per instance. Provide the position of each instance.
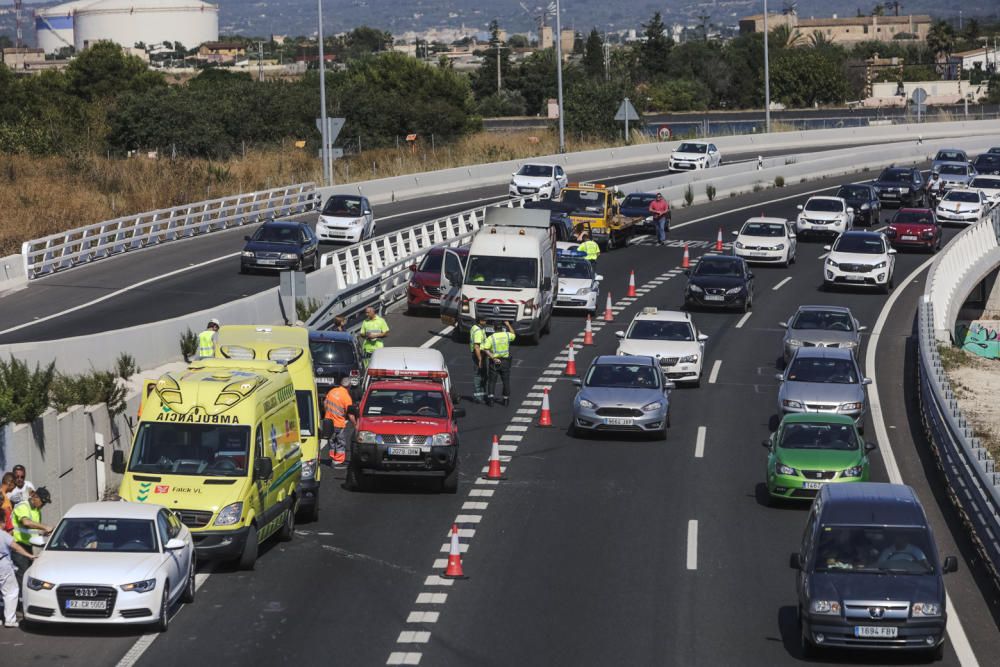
(865, 245)
(881, 549)
(819, 436)
(914, 218)
(535, 171)
(986, 183)
(774, 229)
(638, 200)
(585, 202)
(718, 267)
(278, 234)
(206, 450)
(824, 205)
(574, 268)
(343, 206)
(962, 196)
(954, 169)
(405, 403)
(104, 535)
(827, 371)
(894, 175)
(692, 148)
(660, 330)
(623, 376)
(854, 192)
(952, 156)
(327, 352)
(823, 320)
(490, 271)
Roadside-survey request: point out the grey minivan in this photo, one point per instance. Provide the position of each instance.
(823, 379)
(869, 575)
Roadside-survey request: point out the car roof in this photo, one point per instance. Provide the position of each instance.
(777, 221)
(914, 210)
(407, 359)
(640, 360)
(840, 199)
(824, 353)
(330, 336)
(950, 150)
(439, 250)
(645, 194)
(697, 143)
(871, 503)
(664, 316)
(113, 509)
(408, 385)
(816, 418)
(537, 164)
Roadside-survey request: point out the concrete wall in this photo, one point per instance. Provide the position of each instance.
(12, 273)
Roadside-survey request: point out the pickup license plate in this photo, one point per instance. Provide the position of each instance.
(876, 631)
(812, 485)
(618, 421)
(908, 237)
(325, 380)
(854, 278)
(434, 302)
(99, 605)
(714, 297)
(404, 451)
(267, 262)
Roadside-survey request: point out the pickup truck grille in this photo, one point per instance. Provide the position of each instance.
(404, 439)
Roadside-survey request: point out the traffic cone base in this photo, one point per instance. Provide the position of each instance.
(454, 569)
(631, 283)
(588, 333)
(545, 419)
(494, 472)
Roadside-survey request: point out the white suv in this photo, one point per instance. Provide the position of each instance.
(862, 259)
(824, 215)
(671, 338)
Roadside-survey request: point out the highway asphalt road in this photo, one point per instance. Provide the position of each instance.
(195, 274)
(585, 554)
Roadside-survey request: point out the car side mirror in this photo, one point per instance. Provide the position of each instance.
(795, 561)
(367, 211)
(598, 278)
(36, 541)
(750, 274)
(766, 444)
(687, 272)
(413, 267)
(620, 334)
(669, 384)
(352, 410)
(735, 233)
(950, 565)
(783, 325)
(263, 468)
(792, 236)
(779, 377)
(458, 413)
(799, 207)
(862, 328)
(246, 238)
(892, 251)
(702, 337)
(870, 446)
(866, 381)
(118, 462)
(577, 382)
(174, 544)
(827, 248)
(326, 429)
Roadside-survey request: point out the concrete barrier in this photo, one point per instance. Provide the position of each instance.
(12, 275)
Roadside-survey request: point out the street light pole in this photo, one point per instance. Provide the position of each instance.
(559, 85)
(325, 151)
(767, 78)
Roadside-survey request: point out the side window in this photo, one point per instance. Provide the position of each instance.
(163, 526)
(258, 445)
(712, 148)
(808, 537)
(174, 524)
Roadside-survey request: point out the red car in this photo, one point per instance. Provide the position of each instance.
(914, 228)
(424, 290)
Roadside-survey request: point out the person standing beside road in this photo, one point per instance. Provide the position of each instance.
(208, 340)
(28, 522)
(497, 348)
(10, 591)
(373, 330)
(6, 506)
(659, 208)
(336, 405)
(477, 341)
(22, 487)
(590, 249)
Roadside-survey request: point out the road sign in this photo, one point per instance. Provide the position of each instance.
(335, 153)
(626, 111)
(333, 127)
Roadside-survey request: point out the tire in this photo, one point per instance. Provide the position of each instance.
(187, 597)
(244, 271)
(287, 531)
(355, 479)
(450, 482)
(574, 432)
(887, 287)
(163, 620)
(248, 559)
(312, 516)
(661, 435)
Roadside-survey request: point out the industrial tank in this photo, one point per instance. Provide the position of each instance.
(127, 22)
(54, 25)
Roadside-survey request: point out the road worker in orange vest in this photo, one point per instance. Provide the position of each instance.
(335, 407)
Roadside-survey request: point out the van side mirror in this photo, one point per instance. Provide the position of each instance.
(326, 429)
(458, 413)
(118, 462)
(263, 468)
(795, 561)
(950, 565)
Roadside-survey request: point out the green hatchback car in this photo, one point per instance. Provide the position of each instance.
(809, 450)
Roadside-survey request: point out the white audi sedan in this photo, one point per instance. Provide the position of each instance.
(824, 215)
(766, 240)
(346, 219)
(112, 562)
(860, 259)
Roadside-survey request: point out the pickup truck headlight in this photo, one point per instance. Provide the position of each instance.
(926, 609)
(309, 469)
(853, 472)
(442, 440)
(695, 289)
(38, 584)
(584, 403)
(791, 404)
(829, 607)
(781, 469)
(143, 586)
(230, 514)
(367, 437)
(850, 406)
(247, 253)
(289, 255)
(650, 407)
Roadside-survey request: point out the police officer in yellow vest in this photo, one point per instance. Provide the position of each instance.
(591, 249)
(477, 346)
(497, 348)
(373, 330)
(208, 340)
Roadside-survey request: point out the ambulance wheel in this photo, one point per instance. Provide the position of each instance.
(287, 530)
(450, 482)
(249, 556)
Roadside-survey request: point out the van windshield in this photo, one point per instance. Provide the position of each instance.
(881, 549)
(205, 450)
(488, 271)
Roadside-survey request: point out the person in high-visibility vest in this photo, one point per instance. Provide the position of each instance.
(591, 248)
(477, 343)
(497, 348)
(28, 522)
(208, 340)
(335, 407)
(373, 330)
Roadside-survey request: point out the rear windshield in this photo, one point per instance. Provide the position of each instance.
(332, 352)
(885, 549)
(763, 229)
(824, 205)
(639, 200)
(827, 371)
(819, 436)
(865, 245)
(405, 403)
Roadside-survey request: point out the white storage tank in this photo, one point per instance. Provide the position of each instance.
(54, 25)
(127, 22)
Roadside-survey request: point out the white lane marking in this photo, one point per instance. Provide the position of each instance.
(521, 420)
(552, 371)
(475, 506)
(463, 532)
(778, 286)
(111, 295)
(536, 394)
(692, 545)
(400, 658)
(430, 342)
(714, 375)
(526, 411)
(480, 480)
(751, 206)
(699, 443)
(413, 637)
(446, 548)
(517, 428)
(506, 437)
(482, 493)
(531, 403)
(743, 320)
(144, 642)
(507, 448)
(432, 598)
(440, 564)
(423, 617)
(956, 633)
(434, 580)
(468, 518)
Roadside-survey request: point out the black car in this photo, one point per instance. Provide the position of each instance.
(281, 245)
(903, 186)
(335, 354)
(636, 205)
(864, 200)
(987, 163)
(719, 281)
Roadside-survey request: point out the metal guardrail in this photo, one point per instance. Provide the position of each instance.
(970, 471)
(101, 240)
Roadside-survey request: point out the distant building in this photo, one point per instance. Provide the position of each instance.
(221, 52)
(24, 58)
(986, 58)
(546, 39)
(844, 30)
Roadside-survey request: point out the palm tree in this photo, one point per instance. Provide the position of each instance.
(783, 37)
(818, 39)
(941, 39)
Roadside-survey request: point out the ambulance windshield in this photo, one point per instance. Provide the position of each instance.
(206, 450)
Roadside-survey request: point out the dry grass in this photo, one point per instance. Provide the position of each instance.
(47, 195)
(975, 381)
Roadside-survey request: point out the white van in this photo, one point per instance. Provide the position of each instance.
(401, 363)
(509, 275)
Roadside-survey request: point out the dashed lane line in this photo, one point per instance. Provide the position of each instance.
(714, 375)
(743, 320)
(699, 443)
(781, 283)
(692, 545)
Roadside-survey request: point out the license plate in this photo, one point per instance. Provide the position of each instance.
(87, 604)
(878, 631)
(434, 302)
(404, 451)
(714, 297)
(909, 237)
(618, 421)
(325, 380)
(812, 485)
(855, 278)
(267, 262)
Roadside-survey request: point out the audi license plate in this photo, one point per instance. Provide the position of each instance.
(99, 605)
(714, 297)
(404, 451)
(812, 485)
(909, 237)
(876, 631)
(618, 421)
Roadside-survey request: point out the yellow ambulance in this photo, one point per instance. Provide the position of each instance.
(219, 445)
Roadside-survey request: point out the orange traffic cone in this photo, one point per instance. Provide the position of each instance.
(608, 315)
(631, 283)
(588, 333)
(571, 362)
(686, 262)
(494, 471)
(454, 569)
(718, 241)
(546, 417)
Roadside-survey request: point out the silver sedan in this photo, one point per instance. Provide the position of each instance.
(826, 380)
(622, 393)
(820, 326)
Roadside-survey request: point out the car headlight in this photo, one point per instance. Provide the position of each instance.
(528, 309)
(739, 246)
(367, 437)
(853, 472)
(309, 469)
(230, 514)
(650, 407)
(38, 584)
(584, 403)
(829, 607)
(832, 264)
(442, 440)
(880, 265)
(695, 288)
(247, 253)
(781, 469)
(865, 207)
(289, 255)
(414, 285)
(926, 609)
(143, 586)
(780, 246)
(734, 290)
(794, 342)
(850, 406)
(689, 359)
(851, 344)
(584, 290)
(791, 404)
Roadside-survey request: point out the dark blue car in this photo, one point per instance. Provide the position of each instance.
(636, 205)
(280, 245)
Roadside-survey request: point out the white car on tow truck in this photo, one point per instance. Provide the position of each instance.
(670, 337)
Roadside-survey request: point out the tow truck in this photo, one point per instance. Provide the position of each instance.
(595, 209)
